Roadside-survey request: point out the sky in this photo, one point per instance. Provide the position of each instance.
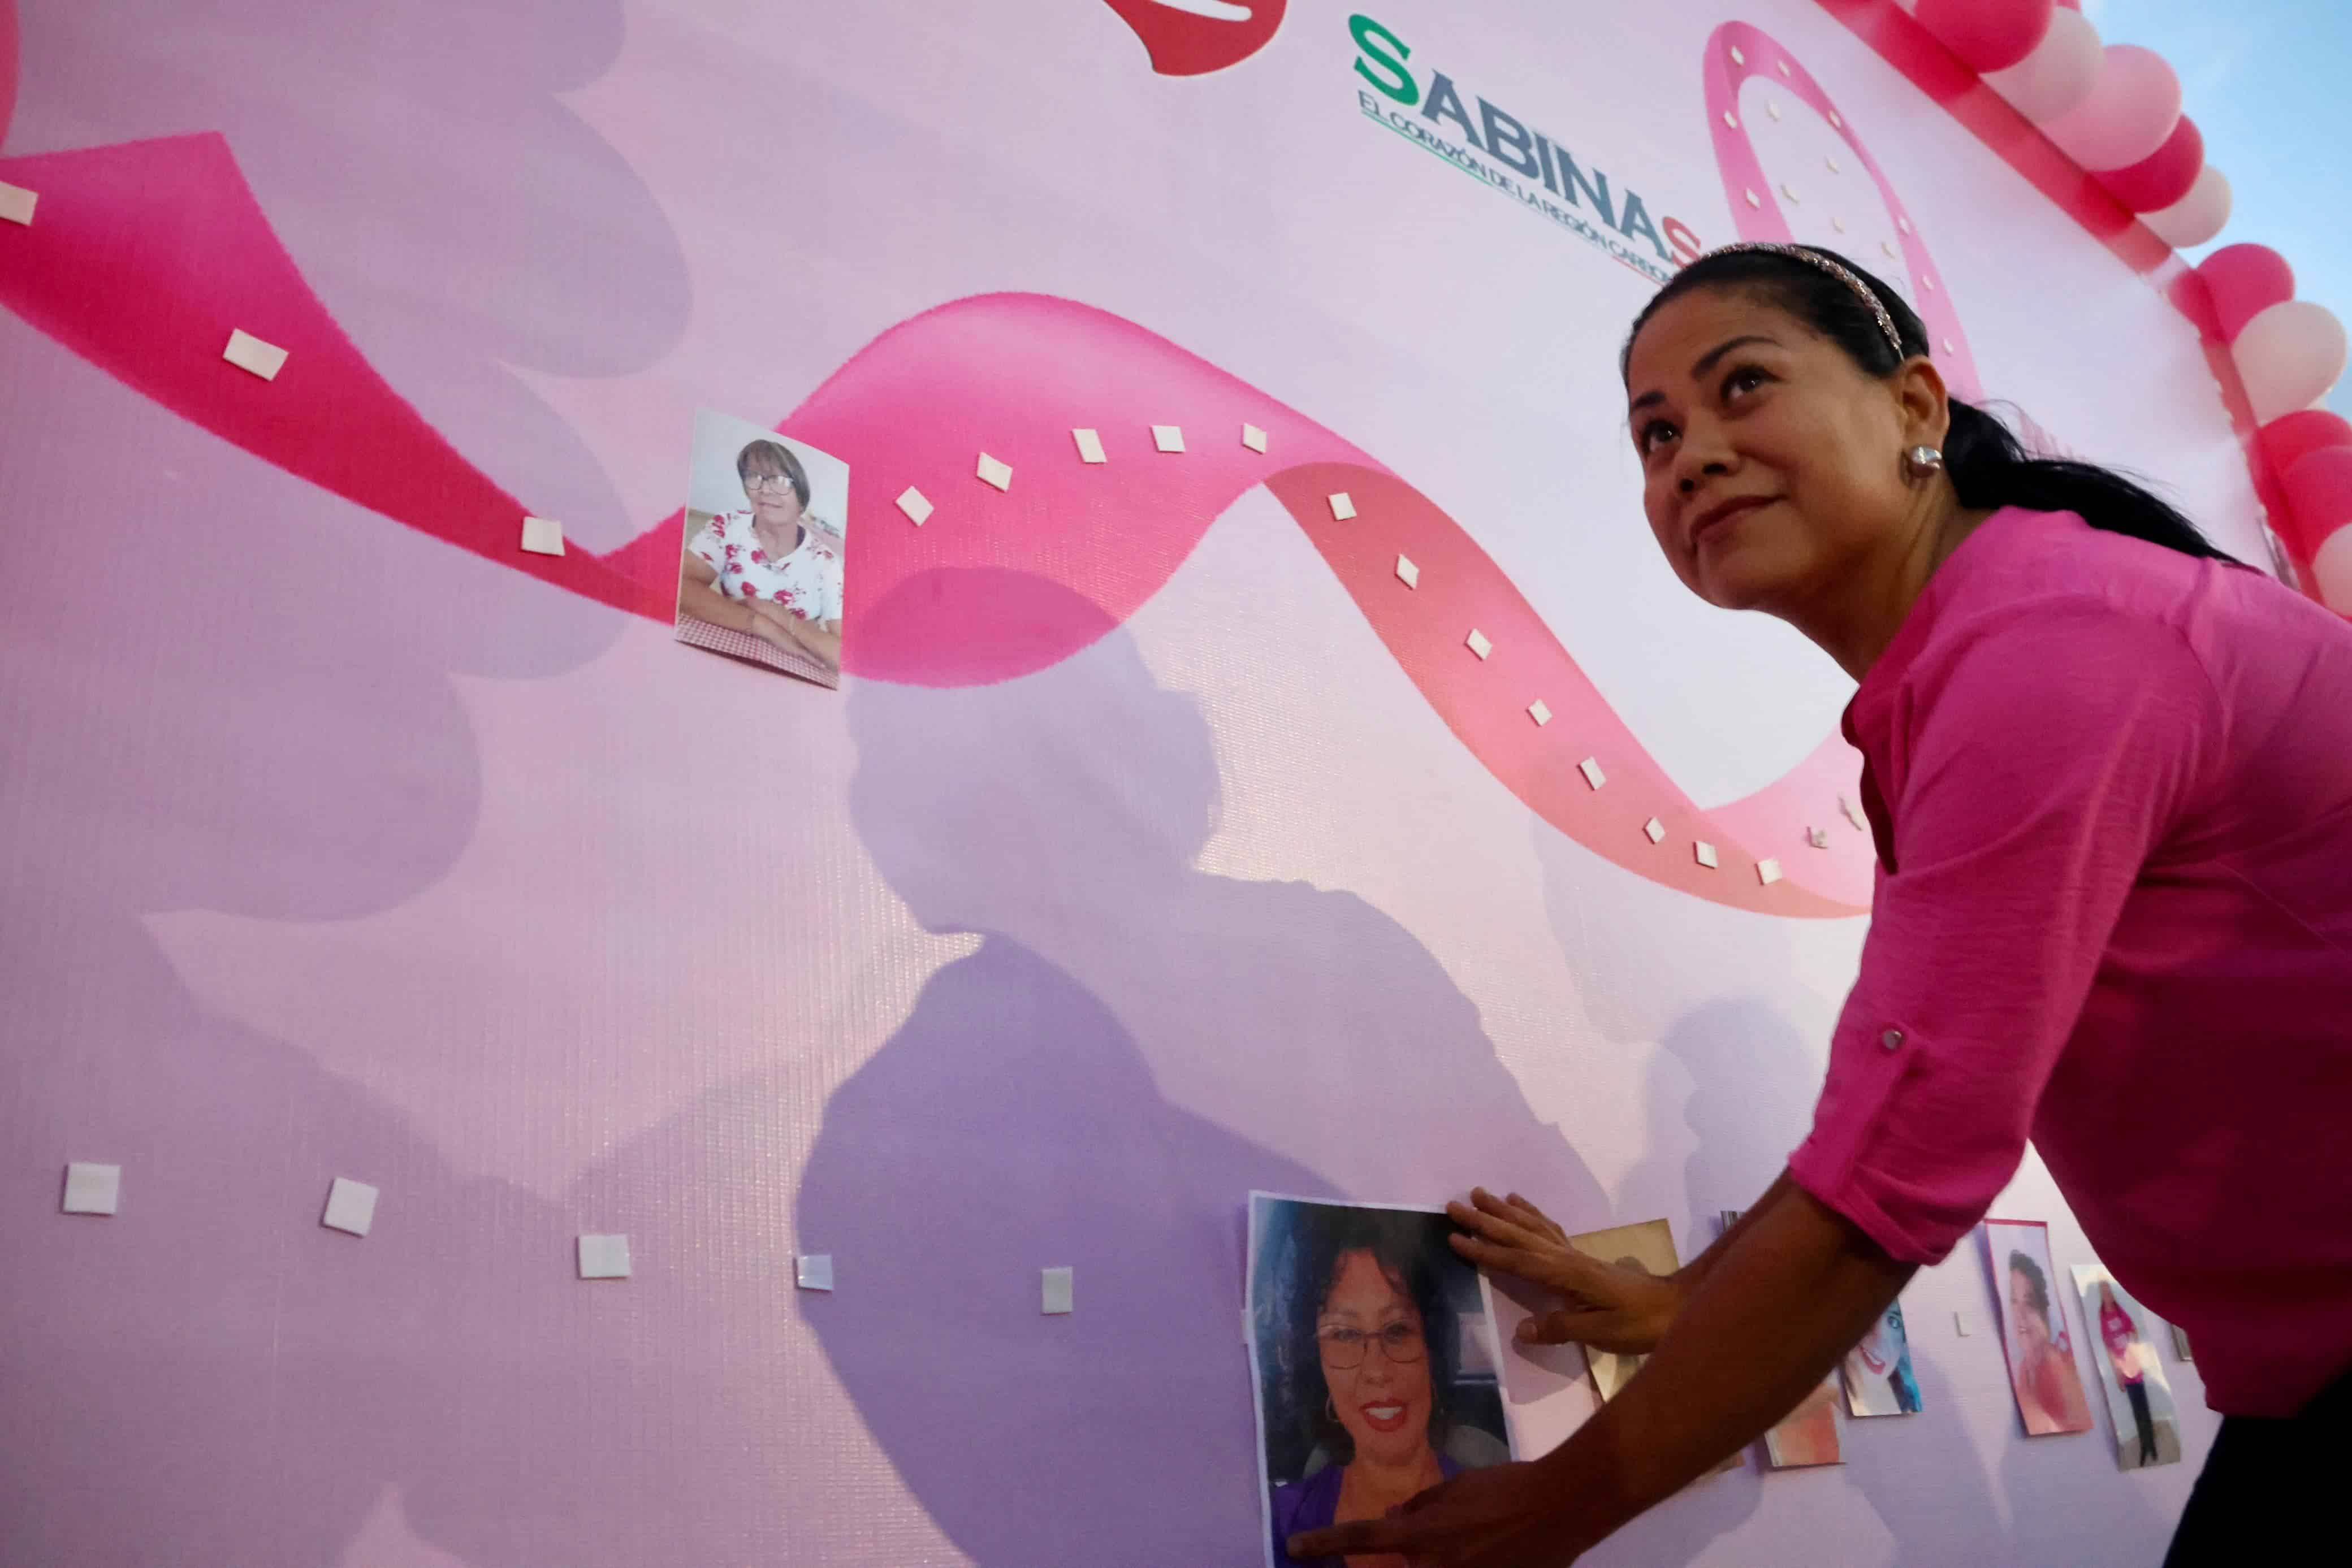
(2265, 81)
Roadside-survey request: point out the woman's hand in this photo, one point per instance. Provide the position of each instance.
(1609, 1308)
(1508, 1516)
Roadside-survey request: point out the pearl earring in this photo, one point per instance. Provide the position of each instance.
(1922, 461)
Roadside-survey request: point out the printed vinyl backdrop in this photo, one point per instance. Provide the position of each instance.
(1163, 844)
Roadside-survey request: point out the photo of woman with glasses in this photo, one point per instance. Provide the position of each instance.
(1375, 1362)
(771, 569)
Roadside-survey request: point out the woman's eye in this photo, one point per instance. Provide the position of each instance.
(1745, 379)
(1654, 432)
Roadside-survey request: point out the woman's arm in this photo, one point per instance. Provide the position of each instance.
(1771, 1315)
(786, 630)
(699, 596)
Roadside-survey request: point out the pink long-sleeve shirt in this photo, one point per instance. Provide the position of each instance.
(2111, 788)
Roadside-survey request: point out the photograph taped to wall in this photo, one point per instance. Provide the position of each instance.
(1877, 1372)
(2034, 1333)
(1370, 1338)
(2139, 1400)
(1808, 1435)
(1649, 1247)
(760, 568)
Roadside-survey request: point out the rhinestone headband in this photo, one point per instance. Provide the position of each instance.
(1838, 270)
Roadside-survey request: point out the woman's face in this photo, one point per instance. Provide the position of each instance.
(772, 497)
(2032, 1327)
(1772, 463)
(1382, 1402)
(1877, 1346)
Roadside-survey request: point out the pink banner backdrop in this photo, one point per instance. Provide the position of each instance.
(1166, 840)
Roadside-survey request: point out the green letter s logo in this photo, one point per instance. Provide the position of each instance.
(1369, 36)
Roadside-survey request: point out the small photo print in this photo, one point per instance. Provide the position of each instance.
(1808, 1434)
(1373, 1353)
(1877, 1372)
(2139, 1400)
(2034, 1333)
(1649, 1247)
(759, 574)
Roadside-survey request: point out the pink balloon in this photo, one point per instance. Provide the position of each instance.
(2245, 280)
(2289, 436)
(1987, 35)
(2318, 486)
(2165, 176)
(2133, 107)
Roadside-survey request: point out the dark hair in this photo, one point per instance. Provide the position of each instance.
(1399, 1244)
(1988, 465)
(773, 457)
(2037, 1288)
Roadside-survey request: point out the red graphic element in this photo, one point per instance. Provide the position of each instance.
(171, 224)
(1194, 38)
(1012, 374)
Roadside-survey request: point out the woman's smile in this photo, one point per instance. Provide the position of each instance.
(1383, 1416)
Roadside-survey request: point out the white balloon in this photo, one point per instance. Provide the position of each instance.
(2288, 356)
(2058, 73)
(2331, 571)
(2197, 217)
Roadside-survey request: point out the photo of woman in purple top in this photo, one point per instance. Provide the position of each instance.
(1361, 1354)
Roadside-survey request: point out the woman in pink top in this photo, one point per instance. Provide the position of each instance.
(2124, 1349)
(2109, 775)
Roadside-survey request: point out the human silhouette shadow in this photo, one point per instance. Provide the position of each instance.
(1134, 1045)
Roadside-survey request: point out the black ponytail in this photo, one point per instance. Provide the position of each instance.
(1988, 465)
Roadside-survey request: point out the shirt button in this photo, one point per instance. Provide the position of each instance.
(1891, 1038)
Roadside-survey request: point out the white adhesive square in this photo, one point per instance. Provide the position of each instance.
(993, 472)
(1818, 837)
(92, 1188)
(603, 1256)
(1167, 437)
(1343, 506)
(1057, 1295)
(1655, 830)
(815, 1271)
(350, 1206)
(1960, 1324)
(1705, 853)
(1591, 768)
(247, 352)
(1408, 573)
(1768, 871)
(1853, 815)
(1089, 445)
(911, 501)
(16, 203)
(1253, 438)
(1476, 642)
(1538, 712)
(542, 536)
